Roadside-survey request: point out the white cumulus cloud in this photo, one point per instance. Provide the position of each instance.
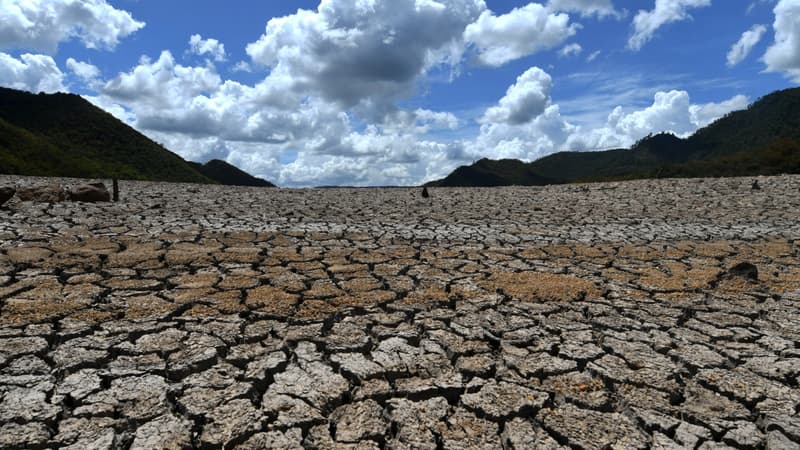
(242, 66)
(742, 48)
(646, 23)
(163, 82)
(545, 134)
(196, 113)
(784, 54)
(196, 102)
(570, 50)
(34, 73)
(211, 47)
(524, 100)
(522, 32)
(87, 72)
(669, 112)
(525, 124)
(41, 25)
(364, 53)
(166, 96)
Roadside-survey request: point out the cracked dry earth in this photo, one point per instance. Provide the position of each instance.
(649, 314)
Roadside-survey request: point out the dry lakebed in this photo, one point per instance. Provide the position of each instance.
(659, 314)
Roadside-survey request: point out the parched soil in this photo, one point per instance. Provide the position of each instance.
(657, 314)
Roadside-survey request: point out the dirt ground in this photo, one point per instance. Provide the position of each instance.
(649, 314)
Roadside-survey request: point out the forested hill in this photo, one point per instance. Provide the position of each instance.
(64, 135)
(229, 174)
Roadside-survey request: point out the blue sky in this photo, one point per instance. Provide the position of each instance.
(370, 92)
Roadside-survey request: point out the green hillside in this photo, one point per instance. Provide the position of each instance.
(761, 139)
(778, 157)
(65, 135)
(771, 118)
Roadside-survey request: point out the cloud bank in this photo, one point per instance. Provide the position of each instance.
(334, 101)
(40, 25)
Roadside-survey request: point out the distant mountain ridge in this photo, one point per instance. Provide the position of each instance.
(763, 139)
(228, 174)
(64, 135)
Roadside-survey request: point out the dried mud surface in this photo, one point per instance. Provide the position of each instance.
(650, 314)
